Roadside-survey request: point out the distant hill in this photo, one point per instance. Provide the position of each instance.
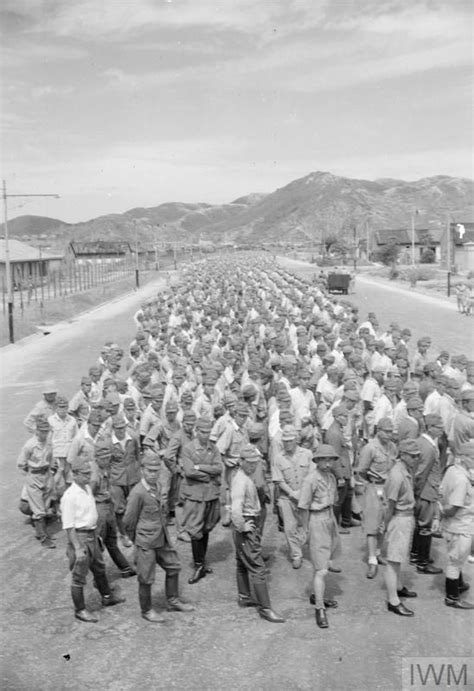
(32, 225)
(308, 209)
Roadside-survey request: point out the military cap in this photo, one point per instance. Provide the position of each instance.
(229, 398)
(80, 462)
(204, 424)
(189, 416)
(288, 433)
(242, 408)
(49, 386)
(414, 402)
(250, 453)
(94, 418)
(385, 423)
(256, 430)
(150, 459)
(249, 390)
(351, 395)
(409, 446)
(325, 451)
(113, 398)
(118, 421)
(42, 423)
(171, 406)
(433, 420)
(467, 395)
(86, 380)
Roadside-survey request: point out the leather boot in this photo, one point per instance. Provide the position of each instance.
(144, 598)
(198, 556)
(42, 535)
(264, 607)
(424, 565)
(204, 543)
(245, 599)
(321, 618)
(452, 589)
(172, 595)
(414, 547)
(461, 585)
(80, 611)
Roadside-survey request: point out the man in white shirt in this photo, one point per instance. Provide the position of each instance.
(79, 520)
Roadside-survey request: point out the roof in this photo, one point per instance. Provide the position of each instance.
(402, 236)
(21, 252)
(99, 247)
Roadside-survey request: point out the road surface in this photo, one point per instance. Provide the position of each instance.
(218, 646)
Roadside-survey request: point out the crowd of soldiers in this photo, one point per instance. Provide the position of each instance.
(248, 392)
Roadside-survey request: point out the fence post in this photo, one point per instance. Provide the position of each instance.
(3, 294)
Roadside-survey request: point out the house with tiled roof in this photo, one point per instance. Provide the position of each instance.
(29, 265)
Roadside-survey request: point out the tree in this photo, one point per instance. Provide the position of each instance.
(388, 254)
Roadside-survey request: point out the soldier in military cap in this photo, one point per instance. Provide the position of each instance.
(200, 491)
(79, 519)
(124, 469)
(35, 461)
(457, 522)
(245, 512)
(289, 469)
(375, 461)
(145, 521)
(317, 498)
(399, 523)
(63, 430)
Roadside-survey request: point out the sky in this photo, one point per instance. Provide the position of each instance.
(113, 104)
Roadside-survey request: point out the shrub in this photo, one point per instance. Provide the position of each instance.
(388, 255)
(428, 256)
(394, 273)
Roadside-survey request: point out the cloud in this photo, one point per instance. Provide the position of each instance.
(114, 20)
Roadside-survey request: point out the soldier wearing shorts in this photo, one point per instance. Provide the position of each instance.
(35, 460)
(318, 496)
(375, 460)
(457, 514)
(399, 523)
(200, 491)
(146, 524)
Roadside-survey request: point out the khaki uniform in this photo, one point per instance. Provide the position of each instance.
(35, 460)
(399, 488)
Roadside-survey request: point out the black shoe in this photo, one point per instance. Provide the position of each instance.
(372, 571)
(321, 618)
(111, 600)
(428, 569)
(404, 592)
(199, 572)
(268, 614)
(327, 603)
(84, 615)
(246, 601)
(400, 609)
(48, 543)
(458, 604)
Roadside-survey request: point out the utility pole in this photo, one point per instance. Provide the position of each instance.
(413, 238)
(8, 274)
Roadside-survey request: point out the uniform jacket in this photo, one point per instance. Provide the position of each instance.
(202, 484)
(145, 518)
